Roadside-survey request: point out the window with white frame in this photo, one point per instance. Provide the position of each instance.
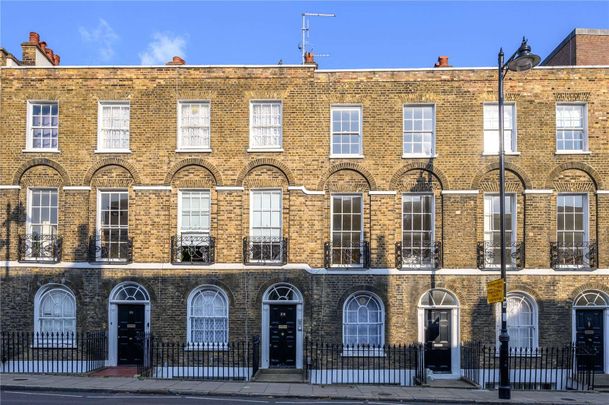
(363, 320)
(417, 229)
(492, 228)
(265, 125)
(41, 223)
(193, 125)
(208, 317)
(571, 128)
(572, 228)
(419, 137)
(521, 321)
(491, 128)
(43, 125)
(346, 131)
(194, 217)
(347, 230)
(113, 126)
(55, 313)
(265, 225)
(113, 220)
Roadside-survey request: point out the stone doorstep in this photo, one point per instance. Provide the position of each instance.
(279, 375)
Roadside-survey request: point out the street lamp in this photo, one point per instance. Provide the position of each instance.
(521, 61)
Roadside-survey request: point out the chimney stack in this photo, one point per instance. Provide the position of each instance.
(176, 60)
(36, 53)
(442, 62)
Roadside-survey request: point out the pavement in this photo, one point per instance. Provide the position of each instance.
(64, 383)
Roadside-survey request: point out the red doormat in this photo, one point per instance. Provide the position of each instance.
(119, 371)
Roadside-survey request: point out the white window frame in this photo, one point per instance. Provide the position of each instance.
(28, 221)
(433, 226)
(585, 146)
(266, 148)
(586, 221)
(100, 139)
(363, 351)
(192, 345)
(362, 238)
(179, 221)
(514, 144)
(29, 135)
(340, 107)
(514, 212)
(179, 143)
(251, 227)
(98, 229)
(534, 326)
(42, 341)
(433, 131)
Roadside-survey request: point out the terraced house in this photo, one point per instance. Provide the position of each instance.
(209, 204)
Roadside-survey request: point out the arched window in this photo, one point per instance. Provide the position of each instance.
(521, 320)
(55, 311)
(363, 320)
(207, 316)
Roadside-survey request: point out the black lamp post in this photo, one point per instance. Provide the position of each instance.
(522, 60)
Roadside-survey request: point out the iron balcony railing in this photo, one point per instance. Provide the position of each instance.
(265, 250)
(489, 255)
(578, 255)
(193, 249)
(425, 255)
(40, 248)
(113, 251)
(356, 254)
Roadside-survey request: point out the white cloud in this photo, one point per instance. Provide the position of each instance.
(103, 37)
(162, 48)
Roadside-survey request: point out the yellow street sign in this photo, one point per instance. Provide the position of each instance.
(494, 291)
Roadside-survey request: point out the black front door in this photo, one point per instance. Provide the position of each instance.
(437, 340)
(589, 334)
(282, 332)
(130, 334)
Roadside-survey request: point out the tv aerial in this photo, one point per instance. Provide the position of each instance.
(305, 33)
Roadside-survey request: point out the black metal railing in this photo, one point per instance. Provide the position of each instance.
(265, 250)
(52, 353)
(40, 248)
(548, 368)
(425, 255)
(356, 254)
(582, 255)
(193, 249)
(363, 364)
(115, 251)
(167, 359)
(489, 255)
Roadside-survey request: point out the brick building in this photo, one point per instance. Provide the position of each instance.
(216, 203)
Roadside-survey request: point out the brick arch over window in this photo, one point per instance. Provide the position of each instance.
(42, 162)
(347, 166)
(266, 162)
(393, 183)
(521, 174)
(112, 162)
(193, 162)
(596, 178)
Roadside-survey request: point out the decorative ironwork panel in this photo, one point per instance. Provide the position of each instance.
(355, 255)
(426, 255)
(193, 249)
(489, 255)
(577, 255)
(265, 250)
(40, 248)
(99, 251)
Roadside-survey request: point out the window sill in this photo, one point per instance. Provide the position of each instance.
(32, 150)
(346, 156)
(497, 154)
(206, 347)
(205, 150)
(112, 151)
(572, 152)
(347, 266)
(412, 156)
(264, 150)
(375, 352)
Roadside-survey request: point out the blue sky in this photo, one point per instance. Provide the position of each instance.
(364, 34)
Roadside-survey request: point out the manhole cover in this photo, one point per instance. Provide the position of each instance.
(384, 394)
(568, 399)
(20, 379)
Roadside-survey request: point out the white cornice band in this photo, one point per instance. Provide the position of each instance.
(382, 192)
(152, 188)
(77, 188)
(538, 191)
(9, 187)
(230, 188)
(464, 192)
(307, 192)
(602, 191)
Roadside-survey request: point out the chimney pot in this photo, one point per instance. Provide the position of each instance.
(442, 62)
(176, 60)
(34, 37)
(56, 59)
(309, 58)
(43, 45)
